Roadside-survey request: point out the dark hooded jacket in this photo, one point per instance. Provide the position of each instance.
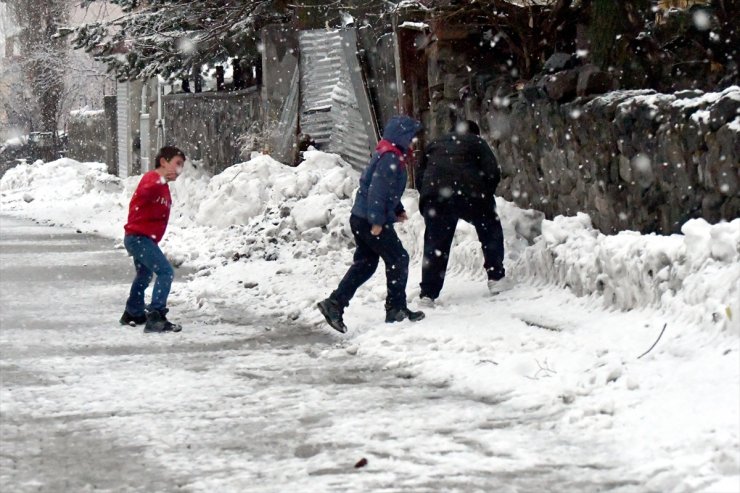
(457, 164)
(384, 179)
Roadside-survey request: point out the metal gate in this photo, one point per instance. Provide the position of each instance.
(124, 128)
(335, 107)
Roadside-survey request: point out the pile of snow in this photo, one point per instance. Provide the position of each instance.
(696, 274)
(15, 142)
(85, 113)
(263, 207)
(247, 190)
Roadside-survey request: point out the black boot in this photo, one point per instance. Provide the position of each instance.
(400, 314)
(156, 321)
(332, 312)
(128, 319)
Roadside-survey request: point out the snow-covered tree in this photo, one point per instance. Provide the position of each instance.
(42, 60)
(169, 37)
(44, 78)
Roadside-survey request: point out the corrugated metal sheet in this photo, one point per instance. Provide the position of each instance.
(320, 65)
(329, 110)
(123, 130)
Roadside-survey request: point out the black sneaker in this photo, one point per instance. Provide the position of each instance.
(400, 314)
(128, 319)
(332, 312)
(157, 322)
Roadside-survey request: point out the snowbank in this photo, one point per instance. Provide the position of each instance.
(254, 206)
(696, 275)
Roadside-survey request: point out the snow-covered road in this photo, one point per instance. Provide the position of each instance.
(538, 389)
(240, 406)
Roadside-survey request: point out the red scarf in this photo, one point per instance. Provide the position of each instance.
(387, 146)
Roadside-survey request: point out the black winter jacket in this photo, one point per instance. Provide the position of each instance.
(457, 164)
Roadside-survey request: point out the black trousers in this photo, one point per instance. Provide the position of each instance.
(441, 219)
(370, 249)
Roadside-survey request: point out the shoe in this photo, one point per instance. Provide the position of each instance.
(156, 321)
(400, 314)
(426, 301)
(133, 321)
(503, 284)
(332, 312)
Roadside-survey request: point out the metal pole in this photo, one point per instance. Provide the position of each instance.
(160, 116)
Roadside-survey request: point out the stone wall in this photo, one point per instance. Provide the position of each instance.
(207, 126)
(567, 142)
(632, 160)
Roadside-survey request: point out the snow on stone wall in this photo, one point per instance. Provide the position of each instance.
(632, 160)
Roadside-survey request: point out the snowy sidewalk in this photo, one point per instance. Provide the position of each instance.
(537, 389)
(89, 404)
(262, 407)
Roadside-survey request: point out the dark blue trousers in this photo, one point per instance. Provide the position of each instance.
(369, 250)
(441, 219)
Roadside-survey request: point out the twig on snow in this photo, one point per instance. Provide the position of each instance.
(656, 341)
(548, 372)
(486, 361)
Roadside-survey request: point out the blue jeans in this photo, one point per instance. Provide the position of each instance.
(370, 249)
(148, 260)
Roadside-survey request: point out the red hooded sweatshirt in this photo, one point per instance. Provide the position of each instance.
(149, 209)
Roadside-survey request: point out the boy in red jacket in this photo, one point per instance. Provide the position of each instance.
(148, 214)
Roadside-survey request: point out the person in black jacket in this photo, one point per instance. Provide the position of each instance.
(457, 178)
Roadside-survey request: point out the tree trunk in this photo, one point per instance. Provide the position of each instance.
(42, 62)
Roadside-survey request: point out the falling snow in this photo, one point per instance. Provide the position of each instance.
(561, 348)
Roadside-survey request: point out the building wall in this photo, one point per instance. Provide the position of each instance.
(378, 55)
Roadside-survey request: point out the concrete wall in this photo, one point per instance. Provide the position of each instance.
(128, 112)
(88, 136)
(92, 136)
(207, 125)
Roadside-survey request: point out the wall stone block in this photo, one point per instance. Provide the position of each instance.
(636, 160)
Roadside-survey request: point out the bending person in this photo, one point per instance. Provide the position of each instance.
(457, 179)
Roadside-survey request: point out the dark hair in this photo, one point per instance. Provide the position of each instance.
(466, 127)
(168, 152)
